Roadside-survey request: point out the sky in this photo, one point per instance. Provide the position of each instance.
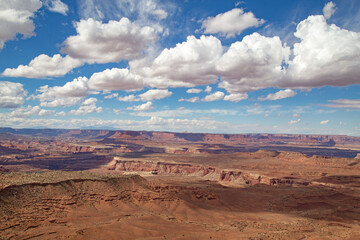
(254, 66)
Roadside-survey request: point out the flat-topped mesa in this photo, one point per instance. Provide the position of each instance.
(82, 149)
(185, 169)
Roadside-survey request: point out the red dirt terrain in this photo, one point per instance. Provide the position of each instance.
(89, 184)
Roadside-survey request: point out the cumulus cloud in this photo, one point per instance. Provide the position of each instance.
(192, 100)
(193, 90)
(344, 103)
(11, 94)
(188, 64)
(325, 122)
(69, 94)
(325, 55)
(60, 114)
(89, 101)
(98, 42)
(151, 124)
(329, 9)
(185, 112)
(56, 6)
(153, 94)
(294, 121)
(44, 66)
(143, 107)
(116, 79)
(231, 23)
(236, 97)
(129, 98)
(114, 95)
(16, 18)
(252, 64)
(87, 106)
(279, 95)
(213, 97)
(208, 89)
(150, 95)
(25, 112)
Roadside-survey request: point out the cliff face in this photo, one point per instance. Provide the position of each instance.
(206, 172)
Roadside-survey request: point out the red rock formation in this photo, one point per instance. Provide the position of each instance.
(81, 149)
(3, 170)
(185, 170)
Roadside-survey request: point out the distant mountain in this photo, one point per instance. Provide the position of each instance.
(307, 139)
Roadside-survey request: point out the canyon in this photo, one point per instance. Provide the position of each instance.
(96, 184)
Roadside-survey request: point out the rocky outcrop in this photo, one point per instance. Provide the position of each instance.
(31, 205)
(81, 149)
(206, 172)
(3, 170)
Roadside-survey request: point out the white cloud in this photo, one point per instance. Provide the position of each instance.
(208, 89)
(153, 94)
(69, 94)
(192, 100)
(193, 90)
(160, 13)
(344, 103)
(143, 107)
(329, 9)
(98, 42)
(16, 18)
(151, 124)
(188, 64)
(116, 79)
(252, 64)
(61, 114)
(56, 6)
(89, 101)
(183, 112)
(325, 122)
(294, 121)
(25, 112)
(87, 106)
(295, 115)
(236, 97)
(279, 95)
(114, 95)
(44, 66)
(141, 10)
(213, 97)
(231, 23)
(257, 109)
(129, 98)
(11, 94)
(238, 3)
(61, 102)
(326, 55)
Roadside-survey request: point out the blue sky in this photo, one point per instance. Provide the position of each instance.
(254, 66)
